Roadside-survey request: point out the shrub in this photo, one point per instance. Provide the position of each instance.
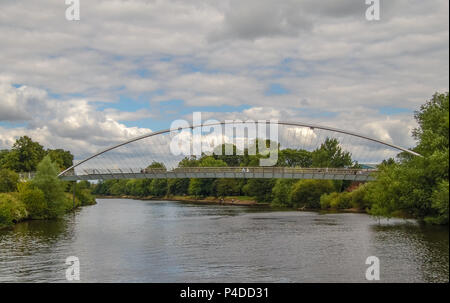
(307, 193)
(12, 210)
(34, 200)
(8, 180)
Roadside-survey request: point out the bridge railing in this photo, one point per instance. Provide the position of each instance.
(251, 170)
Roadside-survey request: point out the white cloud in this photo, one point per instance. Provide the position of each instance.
(71, 124)
(211, 53)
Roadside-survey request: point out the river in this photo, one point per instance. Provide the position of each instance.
(121, 240)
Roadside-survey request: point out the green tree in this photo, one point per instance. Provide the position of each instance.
(63, 158)
(24, 156)
(330, 154)
(46, 179)
(294, 158)
(177, 186)
(261, 189)
(227, 187)
(8, 180)
(158, 187)
(118, 188)
(416, 186)
(281, 192)
(307, 193)
(156, 165)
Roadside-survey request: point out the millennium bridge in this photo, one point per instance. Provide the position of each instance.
(132, 159)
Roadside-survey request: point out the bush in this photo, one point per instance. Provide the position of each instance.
(281, 192)
(12, 210)
(327, 199)
(440, 202)
(84, 196)
(34, 201)
(307, 193)
(8, 180)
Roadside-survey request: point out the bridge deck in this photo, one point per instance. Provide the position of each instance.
(226, 172)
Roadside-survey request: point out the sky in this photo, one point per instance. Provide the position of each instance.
(127, 68)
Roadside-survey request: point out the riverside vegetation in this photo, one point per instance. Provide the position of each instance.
(414, 187)
(45, 196)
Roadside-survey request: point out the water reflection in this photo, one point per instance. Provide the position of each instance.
(159, 241)
(31, 251)
(422, 251)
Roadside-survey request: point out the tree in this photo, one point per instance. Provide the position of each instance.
(330, 154)
(417, 186)
(63, 158)
(8, 180)
(294, 158)
(306, 193)
(261, 189)
(281, 192)
(3, 154)
(177, 186)
(24, 156)
(227, 187)
(156, 165)
(158, 187)
(46, 179)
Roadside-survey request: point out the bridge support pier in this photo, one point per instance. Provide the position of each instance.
(74, 184)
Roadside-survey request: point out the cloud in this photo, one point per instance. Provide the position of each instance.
(337, 68)
(73, 124)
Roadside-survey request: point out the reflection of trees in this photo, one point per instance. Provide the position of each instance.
(30, 237)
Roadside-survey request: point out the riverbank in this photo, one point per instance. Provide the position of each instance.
(13, 210)
(232, 200)
(235, 200)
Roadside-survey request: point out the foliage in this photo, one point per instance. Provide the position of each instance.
(307, 193)
(294, 158)
(83, 193)
(417, 186)
(281, 192)
(330, 154)
(228, 187)
(34, 200)
(53, 188)
(12, 210)
(158, 187)
(24, 156)
(8, 180)
(177, 186)
(62, 158)
(261, 189)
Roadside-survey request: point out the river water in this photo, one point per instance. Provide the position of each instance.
(121, 240)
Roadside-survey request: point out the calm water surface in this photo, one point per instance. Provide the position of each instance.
(121, 240)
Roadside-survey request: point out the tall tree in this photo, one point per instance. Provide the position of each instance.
(62, 158)
(25, 155)
(418, 186)
(330, 154)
